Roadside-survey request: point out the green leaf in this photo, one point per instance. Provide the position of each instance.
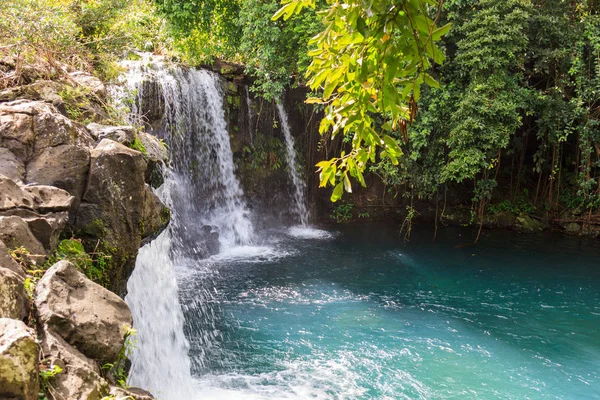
(430, 81)
(439, 32)
(337, 192)
(287, 11)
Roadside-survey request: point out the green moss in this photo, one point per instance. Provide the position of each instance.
(94, 265)
(138, 145)
(165, 215)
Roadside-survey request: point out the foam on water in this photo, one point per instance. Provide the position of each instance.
(293, 380)
(307, 232)
(250, 254)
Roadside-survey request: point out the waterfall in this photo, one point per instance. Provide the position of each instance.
(194, 126)
(185, 108)
(299, 194)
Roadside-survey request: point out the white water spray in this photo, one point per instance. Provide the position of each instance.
(202, 192)
(196, 130)
(290, 152)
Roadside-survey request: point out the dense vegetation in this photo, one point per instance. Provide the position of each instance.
(508, 113)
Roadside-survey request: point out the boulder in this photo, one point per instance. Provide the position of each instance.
(15, 232)
(89, 317)
(19, 371)
(157, 156)
(14, 302)
(122, 134)
(80, 377)
(131, 393)
(6, 261)
(571, 227)
(90, 82)
(116, 207)
(11, 166)
(65, 166)
(45, 90)
(28, 127)
(45, 227)
(16, 130)
(13, 196)
(155, 217)
(54, 129)
(49, 198)
(527, 224)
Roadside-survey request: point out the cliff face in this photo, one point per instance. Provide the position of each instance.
(74, 189)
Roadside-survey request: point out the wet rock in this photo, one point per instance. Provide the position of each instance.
(14, 302)
(503, 219)
(210, 239)
(11, 166)
(80, 377)
(527, 224)
(15, 232)
(156, 215)
(157, 156)
(121, 134)
(19, 372)
(571, 227)
(87, 316)
(64, 166)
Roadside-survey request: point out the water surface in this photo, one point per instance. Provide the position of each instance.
(364, 315)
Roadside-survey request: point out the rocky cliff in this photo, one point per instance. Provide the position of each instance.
(75, 203)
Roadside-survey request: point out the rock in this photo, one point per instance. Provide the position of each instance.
(527, 224)
(89, 317)
(156, 215)
(46, 228)
(571, 227)
(15, 232)
(14, 302)
(115, 207)
(64, 166)
(131, 393)
(11, 166)
(89, 82)
(54, 129)
(80, 377)
(504, 219)
(157, 156)
(6, 261)
(27, 128)
(16, 130)
(49, 198)
(13, 196)
(19, 371)
(47, 91)
(210, 238)
(122, 134)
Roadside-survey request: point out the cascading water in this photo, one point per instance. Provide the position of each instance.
(204, 196)
(290, 152)
(195, 128)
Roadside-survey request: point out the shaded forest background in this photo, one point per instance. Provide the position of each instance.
(514, 126)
